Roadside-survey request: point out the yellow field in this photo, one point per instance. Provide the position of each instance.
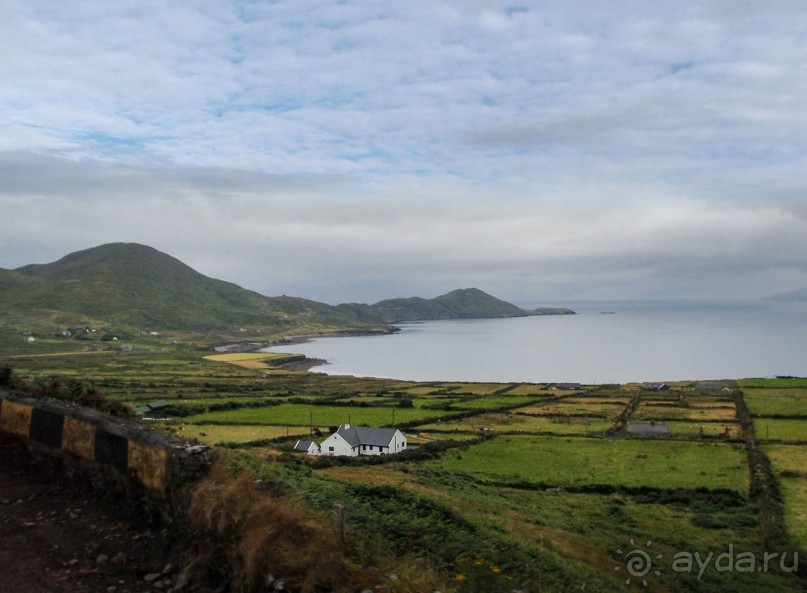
(248, 360)
(691, 413)
(571, 409)
(214, 434)
(788, 458)
(710, 429)
(528, 389)
(497, 422)
(597, 400)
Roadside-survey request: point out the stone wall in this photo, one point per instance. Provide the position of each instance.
(143, 458)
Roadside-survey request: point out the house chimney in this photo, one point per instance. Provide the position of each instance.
(347, 426)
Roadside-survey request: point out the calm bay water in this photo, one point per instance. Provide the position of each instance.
(603, 343)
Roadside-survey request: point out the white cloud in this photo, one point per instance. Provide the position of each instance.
(355, 150)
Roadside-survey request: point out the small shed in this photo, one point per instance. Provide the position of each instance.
(309, 447)
(648, 429)
(154, 409)
(711, 387)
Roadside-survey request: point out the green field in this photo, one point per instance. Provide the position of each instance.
(654, 411)
(575, 462)
(790, 464)
(775, 429)
(422, 390)
(493, 401)
(529, 389)
(477, 388)
(794, 492)
(509, 422)
(303, 415)
(215, 434)
(562, 408)
(788, 458)
(776, 402)
(486, 490)
(773, 383)
(708, 429)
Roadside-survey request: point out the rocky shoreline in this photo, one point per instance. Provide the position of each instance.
(304, 364)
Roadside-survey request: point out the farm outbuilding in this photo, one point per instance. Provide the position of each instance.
(309, 447)
(648, 429)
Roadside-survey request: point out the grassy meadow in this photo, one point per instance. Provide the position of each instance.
(513, 487)
(777, 402)
(574, 462)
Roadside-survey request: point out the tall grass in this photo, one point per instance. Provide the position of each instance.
(247, 539)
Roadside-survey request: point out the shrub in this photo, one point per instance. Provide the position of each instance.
(6, 376)
(709, 522)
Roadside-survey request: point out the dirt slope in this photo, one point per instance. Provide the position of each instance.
(58, 535)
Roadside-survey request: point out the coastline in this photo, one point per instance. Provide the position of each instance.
(641, 341)
(302, 339)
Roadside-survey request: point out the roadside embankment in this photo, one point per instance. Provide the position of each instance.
(144, 461)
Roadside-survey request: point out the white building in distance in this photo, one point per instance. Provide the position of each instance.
(357, 440)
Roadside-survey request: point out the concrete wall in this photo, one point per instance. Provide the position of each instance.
(140, 456)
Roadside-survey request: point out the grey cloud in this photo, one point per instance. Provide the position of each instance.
(25, 173)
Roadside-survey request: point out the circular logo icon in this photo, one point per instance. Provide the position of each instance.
(637, 562)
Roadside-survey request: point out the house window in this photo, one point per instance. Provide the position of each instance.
(330, 448)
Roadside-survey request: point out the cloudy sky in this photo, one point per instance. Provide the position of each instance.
(352, 151)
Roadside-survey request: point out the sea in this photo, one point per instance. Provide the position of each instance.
(605, 342)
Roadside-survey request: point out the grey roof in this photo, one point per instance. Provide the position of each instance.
(303, 445)
(648, 428)
(366, 435)
(710, 386)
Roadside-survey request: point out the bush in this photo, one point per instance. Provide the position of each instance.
(709, 522)
(6, 376)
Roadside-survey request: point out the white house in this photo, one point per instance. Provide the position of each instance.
(363, 440)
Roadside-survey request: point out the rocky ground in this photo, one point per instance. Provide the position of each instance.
(58, 534)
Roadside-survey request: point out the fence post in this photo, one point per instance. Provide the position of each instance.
(339, 515)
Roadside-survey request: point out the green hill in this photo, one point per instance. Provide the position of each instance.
(131, 284)
(465, 303)
(135, 286)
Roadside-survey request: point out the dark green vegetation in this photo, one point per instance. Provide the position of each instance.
(513, 487)
(125, 292)
(467, 303)
(135, 287)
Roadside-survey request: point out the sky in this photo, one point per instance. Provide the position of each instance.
(351, 151)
